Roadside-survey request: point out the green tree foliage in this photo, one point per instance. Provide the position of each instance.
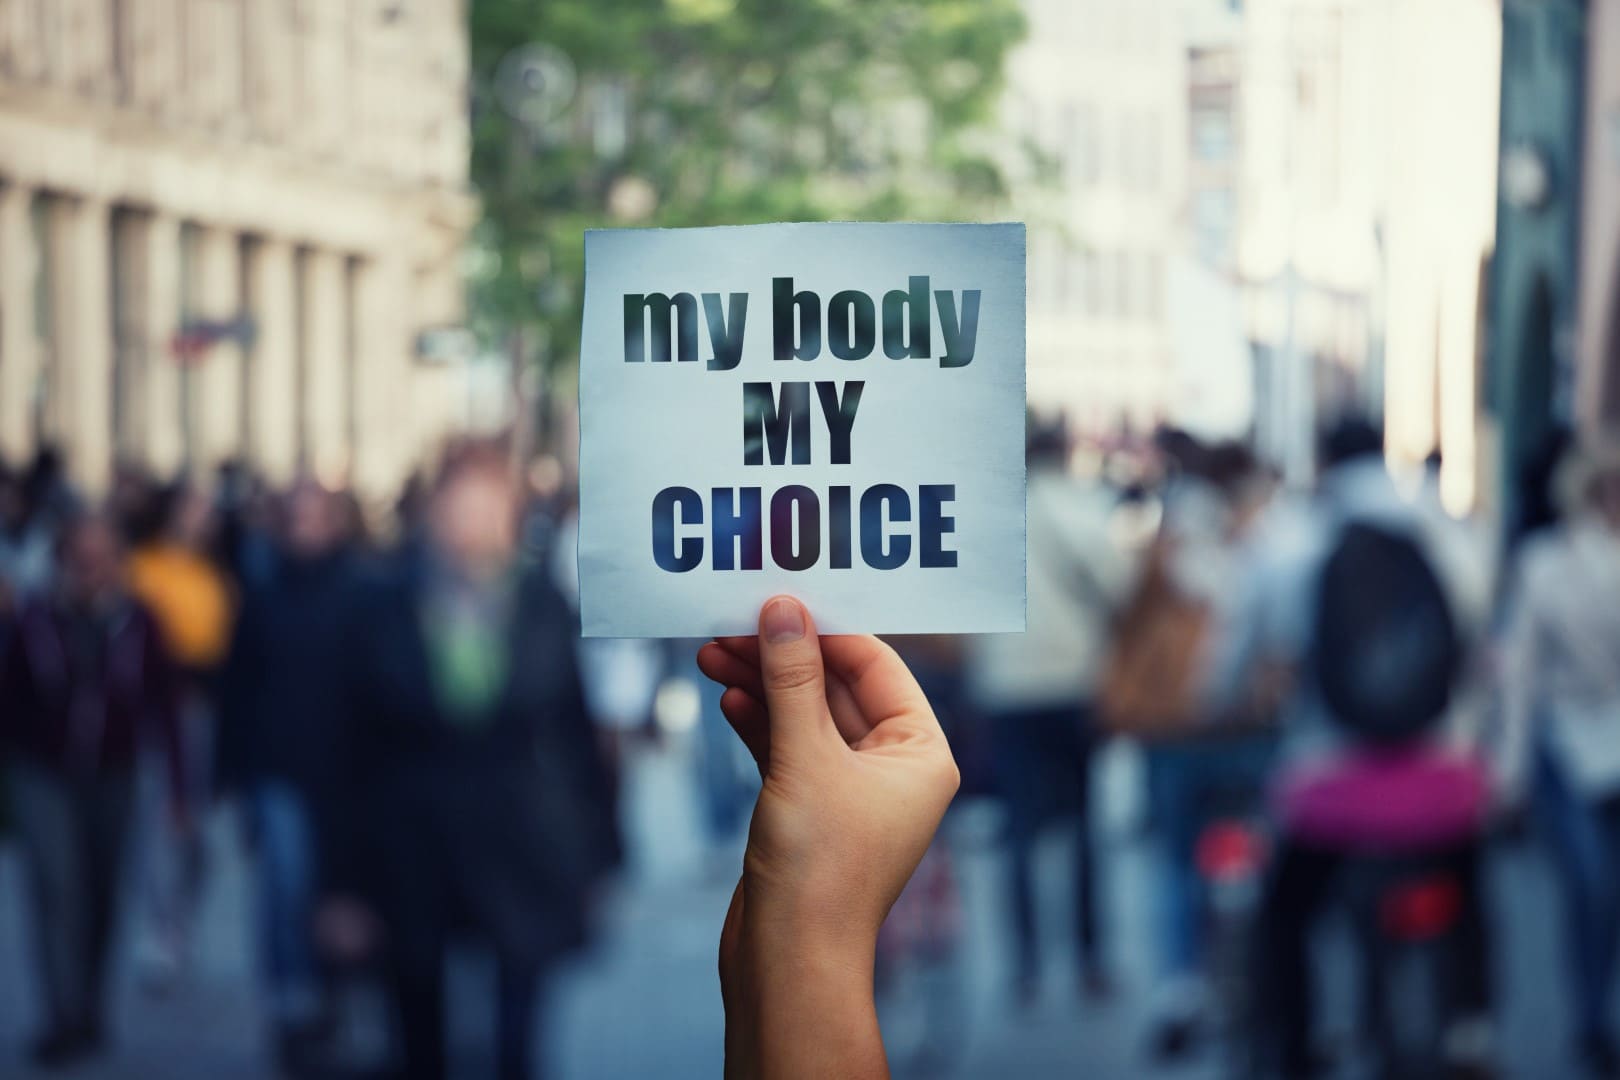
(699, 112)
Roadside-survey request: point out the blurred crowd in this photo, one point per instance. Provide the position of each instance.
(1341, 696)
(401, 726)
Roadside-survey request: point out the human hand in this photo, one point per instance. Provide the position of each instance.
(857, 775)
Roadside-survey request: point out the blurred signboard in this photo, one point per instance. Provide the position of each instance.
(191, 342)
(445, 345)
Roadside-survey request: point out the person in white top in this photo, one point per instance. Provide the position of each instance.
(1560, 669)
(1035, 690)
(1216, 498)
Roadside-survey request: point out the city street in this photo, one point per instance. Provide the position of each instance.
(645, 1002)
(1248, 367)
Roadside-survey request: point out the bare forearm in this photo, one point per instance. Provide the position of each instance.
(808, 1017)
(854, 786)
(798, 992)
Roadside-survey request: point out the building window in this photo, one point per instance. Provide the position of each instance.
(1068, 135)
(352, 269)
(1123, 301)
(1609, 356)
(1087, 164)
(1150, 141)
(1132, 142)
(190, 302)
(1079, 284)
(247, 259)
(1153, 285)
(121, 49)
(1212, 136)
(301, 355)
(39, 223)
(1034, 278)
(1134, 32)
(126, 330)
(1093, 282)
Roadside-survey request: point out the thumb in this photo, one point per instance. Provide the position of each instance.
(791, 670)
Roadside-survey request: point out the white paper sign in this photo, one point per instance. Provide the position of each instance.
(834, 411)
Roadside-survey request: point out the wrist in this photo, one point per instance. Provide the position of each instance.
(803, 1001)
(772, 967)
(825, 940)
(805, 1016)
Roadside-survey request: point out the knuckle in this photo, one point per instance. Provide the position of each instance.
(796, 674)
(947, 774)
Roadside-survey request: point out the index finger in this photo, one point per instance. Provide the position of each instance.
(744, 648)
(880, 682)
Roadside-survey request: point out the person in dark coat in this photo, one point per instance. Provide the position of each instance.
(82, 677)
(480, 771)
(282, 728)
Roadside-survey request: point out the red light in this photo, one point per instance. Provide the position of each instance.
(1230, 851)
(1420, 910)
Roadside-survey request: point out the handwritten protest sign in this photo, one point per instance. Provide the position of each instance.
(830, 410)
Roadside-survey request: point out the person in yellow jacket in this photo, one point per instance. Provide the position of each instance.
(192, 601)
(170, 571)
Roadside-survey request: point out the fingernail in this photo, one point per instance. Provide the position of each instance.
(783, 622)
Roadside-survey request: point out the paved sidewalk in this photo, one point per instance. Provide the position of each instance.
(645, 1002)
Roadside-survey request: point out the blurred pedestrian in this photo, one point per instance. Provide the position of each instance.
(25, 548)
(243, 542)
(480, 774)
(172, 571)
(84, 674)
(282, 732)
(621, 675)
(1036, 692)
(726, 782)
(1369, 764)
(1561, 695)
(129, 497)
(1540, 505)
(49, 495)
(1205, 760)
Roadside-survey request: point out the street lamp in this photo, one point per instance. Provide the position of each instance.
(1526, 177)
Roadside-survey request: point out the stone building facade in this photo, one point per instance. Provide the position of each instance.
(281, 183)
(1535, 270)
(1098, 86)
(1366, 215)
(1598, 320)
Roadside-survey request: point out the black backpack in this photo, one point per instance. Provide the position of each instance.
(1386, 645)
